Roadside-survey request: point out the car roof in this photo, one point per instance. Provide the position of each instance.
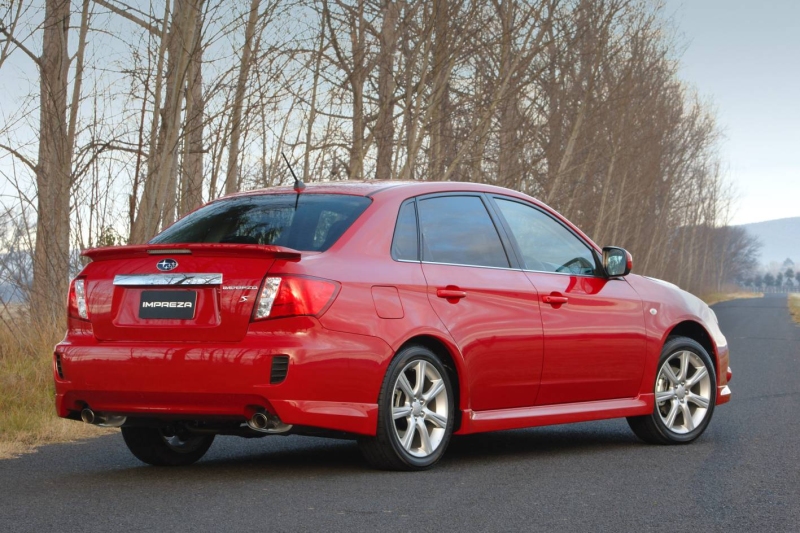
(374, 187)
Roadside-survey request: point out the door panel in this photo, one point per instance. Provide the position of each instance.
(491, 311)
(594, 333)
(496, 325)
(594, 342)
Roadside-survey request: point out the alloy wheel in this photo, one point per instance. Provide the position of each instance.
(420, 408)
(683, 392)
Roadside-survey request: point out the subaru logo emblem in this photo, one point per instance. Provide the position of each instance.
(167, 265)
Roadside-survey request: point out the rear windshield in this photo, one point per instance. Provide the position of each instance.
(317, 221)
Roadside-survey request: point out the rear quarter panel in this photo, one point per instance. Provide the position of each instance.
(361, 260)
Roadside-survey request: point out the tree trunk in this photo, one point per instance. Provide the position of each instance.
(232, 176)
(384, 126)
(162, 176)
(440, 90)
(192, 172)
(51, 254)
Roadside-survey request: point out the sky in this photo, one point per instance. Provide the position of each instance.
(741, 55)
(744, 55)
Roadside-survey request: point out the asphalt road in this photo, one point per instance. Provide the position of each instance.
(742, 475)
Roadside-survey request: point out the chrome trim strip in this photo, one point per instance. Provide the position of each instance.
(569, 274)
(460, 265)
(127, 280)
(503, 268)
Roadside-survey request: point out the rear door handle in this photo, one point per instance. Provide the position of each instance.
(554, 299)
(451, 293)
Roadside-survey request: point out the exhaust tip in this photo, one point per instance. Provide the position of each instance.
(258, 421)
(87, 415)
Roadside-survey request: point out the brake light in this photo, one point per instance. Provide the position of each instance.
(294, 296)
(77, 299)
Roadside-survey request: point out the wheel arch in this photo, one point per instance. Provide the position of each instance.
(695, 331)
(452, 365)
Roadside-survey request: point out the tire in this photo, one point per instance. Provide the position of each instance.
(166, 446)
(427, 411)
(681, 413)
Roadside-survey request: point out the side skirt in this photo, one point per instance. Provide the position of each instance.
(548, 415)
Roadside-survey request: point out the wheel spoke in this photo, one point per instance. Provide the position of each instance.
(684, 365)
(688, 422)
(673, 413)
(435, 418)
(424, 437)
(667, 372)
(664, 396)
(420, 384)
(699, 374)
(435, 390)
(408, 438)
(698, 400)
(401, 412)
(405, 386)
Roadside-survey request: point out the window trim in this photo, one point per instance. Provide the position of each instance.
(599, 273)
(513, 263)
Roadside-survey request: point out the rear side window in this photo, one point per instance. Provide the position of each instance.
(404, 245)
(310, 222)
(458, 230)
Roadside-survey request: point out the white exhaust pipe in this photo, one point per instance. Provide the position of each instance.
(264, 422)
(87, 415)
(259, 422)
(102, 420)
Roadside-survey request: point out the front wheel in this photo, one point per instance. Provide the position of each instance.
(685, 395)
(415, 413)
(168, 446)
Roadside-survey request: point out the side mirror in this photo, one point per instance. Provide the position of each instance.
(617, 261)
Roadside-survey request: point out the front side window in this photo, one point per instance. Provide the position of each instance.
(458, 230)
(545, 244)
(310, 222)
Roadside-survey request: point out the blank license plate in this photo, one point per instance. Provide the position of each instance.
(168, 304)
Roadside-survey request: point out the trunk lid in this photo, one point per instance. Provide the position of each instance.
(177, 292)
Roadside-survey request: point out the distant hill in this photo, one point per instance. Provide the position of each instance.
(780, 239)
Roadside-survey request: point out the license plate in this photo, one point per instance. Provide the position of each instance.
(177, 305)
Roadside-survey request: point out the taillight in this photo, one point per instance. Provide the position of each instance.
(77, 299)
(294, 296)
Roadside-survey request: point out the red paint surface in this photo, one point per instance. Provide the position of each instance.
(520, 360)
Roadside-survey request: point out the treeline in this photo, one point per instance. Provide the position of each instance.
(146, 110)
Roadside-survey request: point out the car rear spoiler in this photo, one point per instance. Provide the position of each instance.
(205, 249)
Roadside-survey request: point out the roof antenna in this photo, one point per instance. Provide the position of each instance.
(298, 183)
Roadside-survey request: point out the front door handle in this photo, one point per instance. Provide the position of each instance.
(451, 293)
(554, 299)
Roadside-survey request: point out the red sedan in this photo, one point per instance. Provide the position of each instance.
(395, 313)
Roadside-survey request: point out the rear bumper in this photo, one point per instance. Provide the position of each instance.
(332, 382)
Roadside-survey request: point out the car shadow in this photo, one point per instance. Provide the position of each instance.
(293, 458)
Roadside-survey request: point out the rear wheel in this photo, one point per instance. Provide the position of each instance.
(415, 413)
(685, 395)
(168, 446)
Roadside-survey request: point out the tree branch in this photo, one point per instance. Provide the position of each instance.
(20, 45)
(125, 13)
(28, 163)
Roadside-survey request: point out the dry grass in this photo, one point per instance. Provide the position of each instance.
(794, 307)
(27, 409)
(717, 297)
